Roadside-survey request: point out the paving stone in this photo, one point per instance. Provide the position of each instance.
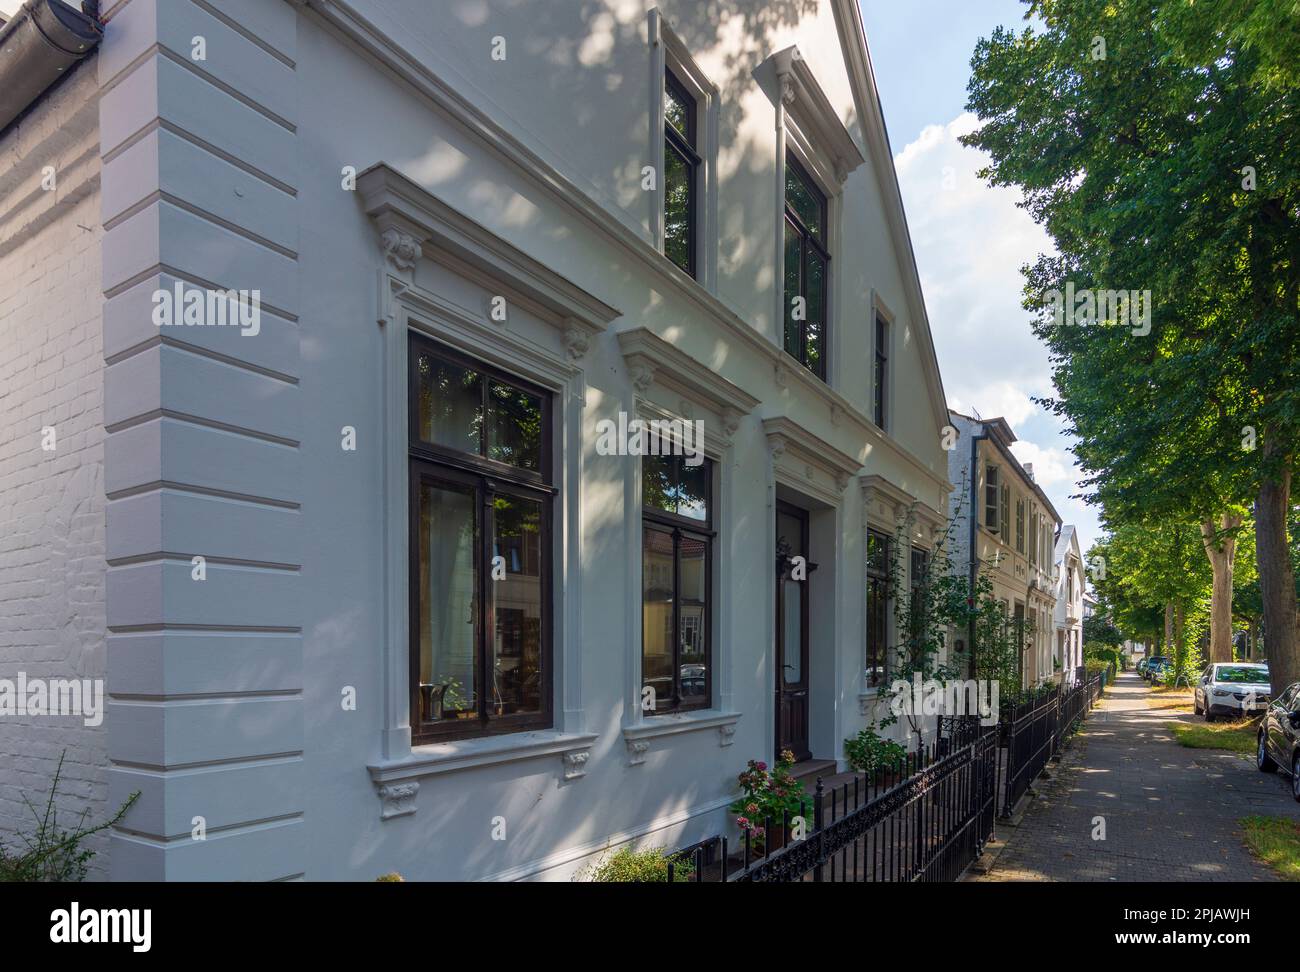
(1171, 813)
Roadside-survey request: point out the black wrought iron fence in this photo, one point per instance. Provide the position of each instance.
(924, 819)
(1034, 731)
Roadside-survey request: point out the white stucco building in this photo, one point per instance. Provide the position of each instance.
(1009, 536)
(1069, 614)
(368, 592)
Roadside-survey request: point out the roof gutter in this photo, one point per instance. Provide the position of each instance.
(38, 47)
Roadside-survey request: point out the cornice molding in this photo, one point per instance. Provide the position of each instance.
(652, 360)
(814, 113)
(791, 446)
(895, 503)
(411, 221)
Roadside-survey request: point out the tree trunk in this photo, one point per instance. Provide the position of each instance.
(1221, 548)
(1180, 631)
(1169, 628)
(1276, 575)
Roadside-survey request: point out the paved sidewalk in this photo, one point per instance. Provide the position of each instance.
(1171, 813)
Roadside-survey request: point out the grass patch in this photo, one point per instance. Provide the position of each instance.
(1171, 705)
(1236, 737)
(1276, 842)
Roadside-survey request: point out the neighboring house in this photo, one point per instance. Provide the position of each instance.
(372, 582)
(1068, 615)
(1090, 605)
(1009, 537)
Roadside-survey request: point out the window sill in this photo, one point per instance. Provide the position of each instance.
(639, 737)
(398, 779)
(869, 698)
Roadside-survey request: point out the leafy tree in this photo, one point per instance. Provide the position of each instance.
(1100, 629)
(1156, 143)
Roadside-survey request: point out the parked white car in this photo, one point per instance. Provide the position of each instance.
(1237, 689)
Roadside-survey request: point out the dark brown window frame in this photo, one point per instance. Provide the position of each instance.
(881, 373)
(685, 146)
(702, 530)
(808, 239)
(486, 478)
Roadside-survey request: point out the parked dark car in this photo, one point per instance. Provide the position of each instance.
(1279, 737)
(1155, 669)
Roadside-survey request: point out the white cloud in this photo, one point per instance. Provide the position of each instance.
(971, 241)
(997, 398)
(1052, 467)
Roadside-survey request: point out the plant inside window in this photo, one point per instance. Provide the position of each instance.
(807, 269)
(481, 509)
(681, 173)
(676, 584)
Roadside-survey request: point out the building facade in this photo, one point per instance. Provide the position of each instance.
(1068, 616)
(541, 484)
(1004, 528)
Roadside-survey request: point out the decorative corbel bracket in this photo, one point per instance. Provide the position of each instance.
(398, 799)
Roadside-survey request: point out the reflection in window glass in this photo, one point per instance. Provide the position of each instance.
(448, 603)
(514, 426)
(675, 572)
(517, 603)
(693, 490)
(806, 270)
(450, 404)
(657, 616)
(804, 199)
(681, 165)
(659, 482)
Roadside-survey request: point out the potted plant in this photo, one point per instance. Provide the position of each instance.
(768, 793)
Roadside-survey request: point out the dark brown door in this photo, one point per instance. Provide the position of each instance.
(792, 631)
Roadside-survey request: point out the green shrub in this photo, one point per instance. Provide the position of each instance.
(643, 866)
(868, 752)
(51, 854)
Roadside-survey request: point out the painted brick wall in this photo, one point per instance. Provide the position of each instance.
(52, 504)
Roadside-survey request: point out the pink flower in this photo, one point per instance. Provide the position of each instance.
(761, 767)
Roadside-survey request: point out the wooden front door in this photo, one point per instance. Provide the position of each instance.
(792, 632)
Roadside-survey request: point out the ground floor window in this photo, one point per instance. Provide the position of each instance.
(877, 661)
(676, 584)
(480, 548)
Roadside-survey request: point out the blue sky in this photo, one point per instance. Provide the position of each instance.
(970, 240)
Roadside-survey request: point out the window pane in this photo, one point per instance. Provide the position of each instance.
(678, 207)
(792, 630)
(793, 281)
(693, 489)
(877, 552)
(804, 199)
(877, 604)
(657, 616)
(450, 404)
(448, 585)
(514, 426)
(659, 483)
(677, 111)
(694, 610)
(517, 604)
(814, 352)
